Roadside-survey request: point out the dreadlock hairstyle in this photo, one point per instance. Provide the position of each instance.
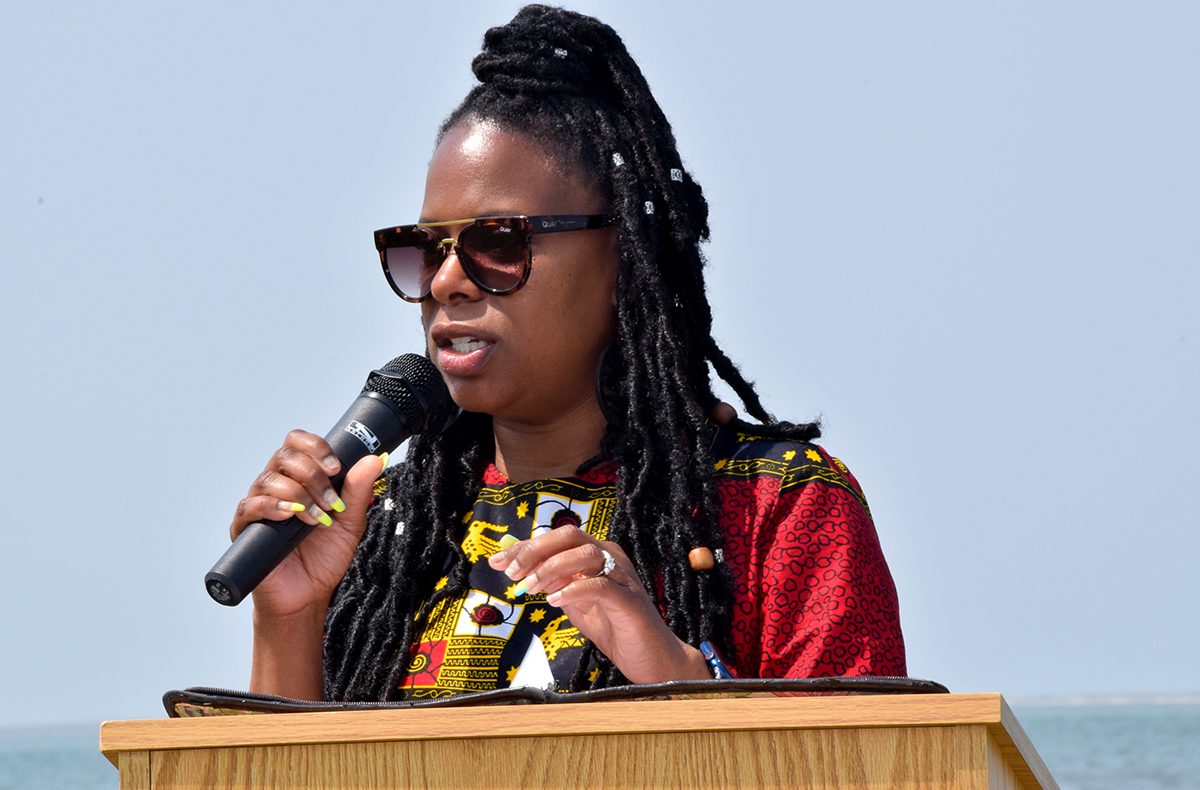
(567, 81)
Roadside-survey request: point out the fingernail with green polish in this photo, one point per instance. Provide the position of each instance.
(507, 541)
(335, 502)
(321, 516)
(521, 588)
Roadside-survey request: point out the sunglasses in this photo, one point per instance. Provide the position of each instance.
(495, 252)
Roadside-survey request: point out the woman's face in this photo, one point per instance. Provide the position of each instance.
(528, 357)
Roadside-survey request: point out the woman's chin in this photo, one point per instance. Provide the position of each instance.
(472, 395)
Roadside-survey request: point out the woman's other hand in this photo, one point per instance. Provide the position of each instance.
(614, 611)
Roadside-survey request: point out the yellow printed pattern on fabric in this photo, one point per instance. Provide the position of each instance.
(478, 640)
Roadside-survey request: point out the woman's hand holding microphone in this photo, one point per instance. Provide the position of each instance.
(296, 482)
(291, 602)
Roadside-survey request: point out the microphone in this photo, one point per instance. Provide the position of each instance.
(402, 398)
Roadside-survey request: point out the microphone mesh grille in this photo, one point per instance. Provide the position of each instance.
(407, 376)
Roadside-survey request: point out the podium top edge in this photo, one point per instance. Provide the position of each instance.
(559, 719)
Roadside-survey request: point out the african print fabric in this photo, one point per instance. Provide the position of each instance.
(480, 640)
(813, 595)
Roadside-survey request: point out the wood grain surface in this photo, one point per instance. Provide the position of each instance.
(937, 740)
(843, 758)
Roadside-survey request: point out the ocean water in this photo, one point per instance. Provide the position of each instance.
(62, 757)
(1087, 747)
(1117, 747)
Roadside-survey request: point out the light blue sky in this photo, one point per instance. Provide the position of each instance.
(964, 235)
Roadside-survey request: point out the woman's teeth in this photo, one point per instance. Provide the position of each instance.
(465, 345)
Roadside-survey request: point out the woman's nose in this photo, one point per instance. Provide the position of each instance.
(451, 283)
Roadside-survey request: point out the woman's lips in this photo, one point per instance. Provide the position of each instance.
(463, 356)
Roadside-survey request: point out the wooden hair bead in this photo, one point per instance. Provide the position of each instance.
(701, 559)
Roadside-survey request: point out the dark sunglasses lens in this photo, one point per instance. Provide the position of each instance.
(412, 267)
(498, 255)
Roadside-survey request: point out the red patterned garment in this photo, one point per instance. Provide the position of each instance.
(813, 594)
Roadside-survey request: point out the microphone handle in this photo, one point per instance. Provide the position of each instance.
(261, 546)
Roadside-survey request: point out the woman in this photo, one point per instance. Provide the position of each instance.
(582, 523)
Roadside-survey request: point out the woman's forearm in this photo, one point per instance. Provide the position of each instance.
(288, 655)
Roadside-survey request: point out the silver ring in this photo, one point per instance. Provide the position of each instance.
(610, 562)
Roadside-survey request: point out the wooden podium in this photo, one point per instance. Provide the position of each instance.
(869, 741)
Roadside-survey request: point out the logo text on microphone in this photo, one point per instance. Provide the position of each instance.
(363, 434)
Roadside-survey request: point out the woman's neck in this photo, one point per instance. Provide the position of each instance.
(527, 452)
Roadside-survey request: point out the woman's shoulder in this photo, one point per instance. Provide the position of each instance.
(741, 452)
